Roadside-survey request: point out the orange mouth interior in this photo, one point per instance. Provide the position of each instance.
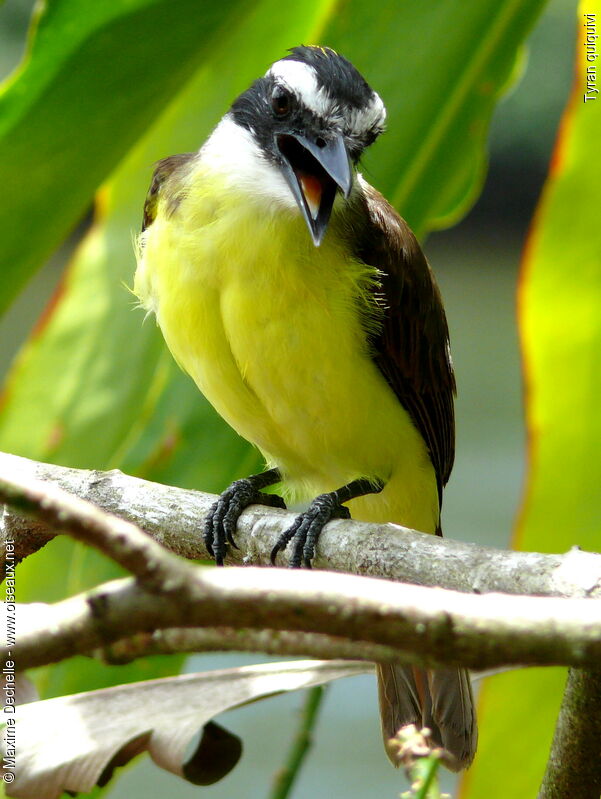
(312, 189)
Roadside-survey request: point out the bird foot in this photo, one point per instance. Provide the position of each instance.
(306, 529)
(221, 522)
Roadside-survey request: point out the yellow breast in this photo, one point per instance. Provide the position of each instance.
(271, 330)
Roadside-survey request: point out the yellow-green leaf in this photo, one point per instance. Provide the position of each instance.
(94, 77)
(560, 320)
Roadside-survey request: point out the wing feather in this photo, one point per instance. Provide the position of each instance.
(411, 347)
(165, 170)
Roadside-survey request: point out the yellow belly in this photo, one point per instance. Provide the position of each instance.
(270, 331)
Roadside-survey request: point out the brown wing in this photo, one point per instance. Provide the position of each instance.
(166, 169)
(412, 347)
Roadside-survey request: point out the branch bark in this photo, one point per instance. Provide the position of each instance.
(174, 518)
(285, 643)
(154, 566)
(574, 765)
(424, 625)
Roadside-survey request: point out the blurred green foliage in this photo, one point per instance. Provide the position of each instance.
(560, 325)
(108, 88)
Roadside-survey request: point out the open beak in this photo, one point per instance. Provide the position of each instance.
(315, 169)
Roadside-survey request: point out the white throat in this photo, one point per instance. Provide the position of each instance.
(232, 154)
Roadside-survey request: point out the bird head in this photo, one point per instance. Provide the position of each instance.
(296, 135)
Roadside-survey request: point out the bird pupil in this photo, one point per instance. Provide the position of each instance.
(280, 103)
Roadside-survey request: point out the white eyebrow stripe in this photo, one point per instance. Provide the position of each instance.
(362, 120)
(301, 78)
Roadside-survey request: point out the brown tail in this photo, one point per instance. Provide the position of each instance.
(440, 700)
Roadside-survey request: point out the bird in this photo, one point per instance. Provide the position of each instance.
(302, 306)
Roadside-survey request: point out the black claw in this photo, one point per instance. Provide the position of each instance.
(299, 541)
(229, 523)
(273, 501)
(222, 519)
(306, 530)
(284, 539)
(307, 527)
(308, 552)
(209, 529)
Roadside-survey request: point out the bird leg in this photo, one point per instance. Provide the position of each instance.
(220, 525)
(308, 525)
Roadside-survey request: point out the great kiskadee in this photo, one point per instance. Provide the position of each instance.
(304, 309)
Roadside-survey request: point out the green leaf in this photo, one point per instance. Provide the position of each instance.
(95, 76)
(516, 717)
(560, 307)
(440, 69)
(560, 320)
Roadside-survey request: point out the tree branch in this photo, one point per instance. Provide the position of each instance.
(125, 543)
(574, 765)
(228, 639)
(424, 625)
(430, 626)
(316, 613)
(174, 518)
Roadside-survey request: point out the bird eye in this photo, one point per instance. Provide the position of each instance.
(280, 102)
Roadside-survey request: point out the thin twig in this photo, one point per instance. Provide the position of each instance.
(226, 639)
(285, 778)
(421, 760)
(429, 784)
(574, 765)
